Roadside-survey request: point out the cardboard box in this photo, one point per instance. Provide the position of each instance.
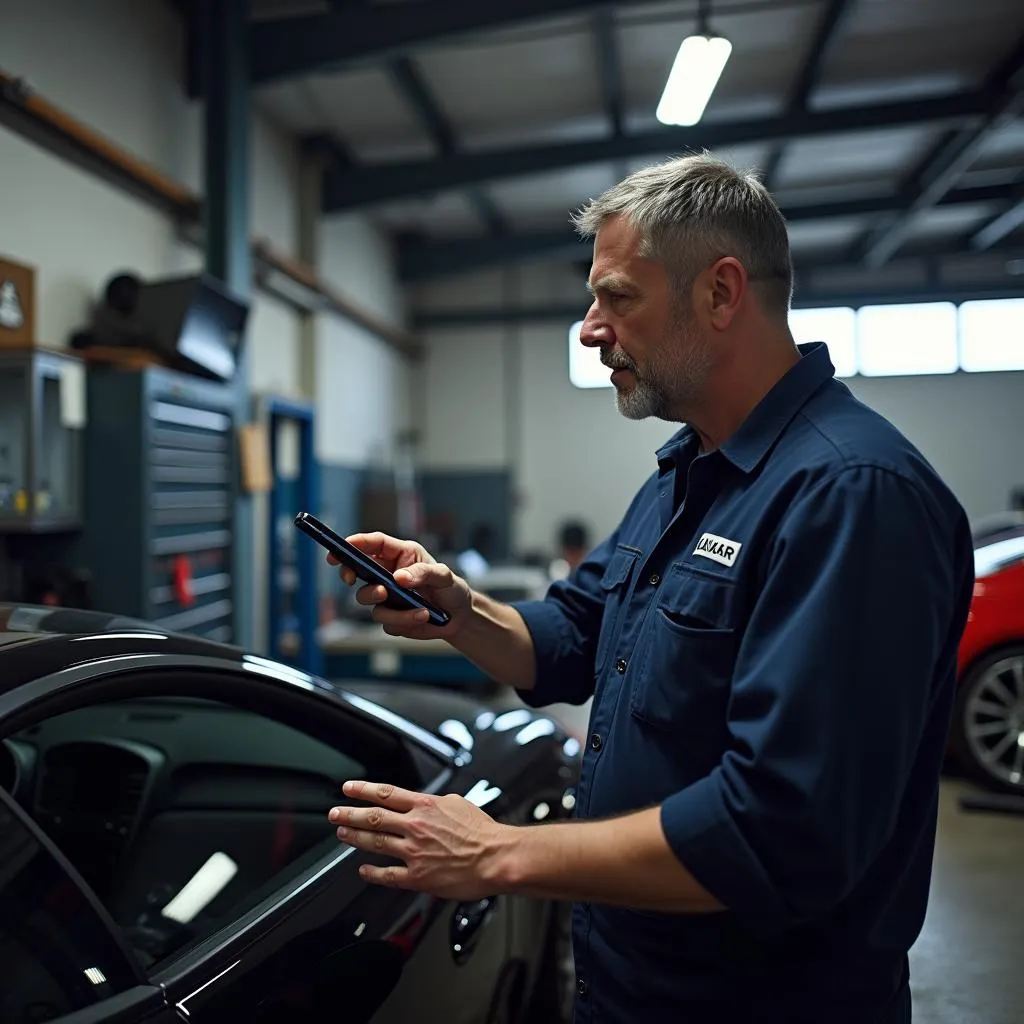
(17, 304)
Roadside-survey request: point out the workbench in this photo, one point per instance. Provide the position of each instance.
(365, 651)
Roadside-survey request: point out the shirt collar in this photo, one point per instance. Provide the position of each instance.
(765, 424)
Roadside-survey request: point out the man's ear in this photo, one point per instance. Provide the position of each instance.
(727, 287)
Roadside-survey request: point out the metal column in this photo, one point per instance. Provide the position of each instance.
(223, 52)
(303, 610)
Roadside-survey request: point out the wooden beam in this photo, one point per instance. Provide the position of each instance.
(32, 115)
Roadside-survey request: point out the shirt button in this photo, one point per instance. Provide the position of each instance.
(654, 580)
(581, 986)
(596, 743)
(620, 666)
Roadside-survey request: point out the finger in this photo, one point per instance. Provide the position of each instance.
(371, 594)
(373, 842)
(425, 574)
(379, 545)
(345, 572)
(382, 794)
(398, 622)
(391, 876)
(369, 819)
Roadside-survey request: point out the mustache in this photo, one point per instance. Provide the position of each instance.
(618, 361)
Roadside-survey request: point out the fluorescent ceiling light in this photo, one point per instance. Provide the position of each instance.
(694, 75)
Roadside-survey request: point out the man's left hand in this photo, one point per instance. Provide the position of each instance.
(447, 846)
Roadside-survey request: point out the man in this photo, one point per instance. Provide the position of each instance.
(769, 638)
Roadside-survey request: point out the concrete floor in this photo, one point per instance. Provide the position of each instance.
(968, 965)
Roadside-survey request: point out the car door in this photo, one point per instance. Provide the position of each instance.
(61, 958)
(462, 952)
(307, 935)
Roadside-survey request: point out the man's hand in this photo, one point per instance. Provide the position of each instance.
(447, 846)
(413, 567)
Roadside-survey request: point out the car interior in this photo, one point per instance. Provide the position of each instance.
(180, 812)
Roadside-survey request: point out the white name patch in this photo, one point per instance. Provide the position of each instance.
(718, 549)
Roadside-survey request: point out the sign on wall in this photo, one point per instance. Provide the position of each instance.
(17, 304)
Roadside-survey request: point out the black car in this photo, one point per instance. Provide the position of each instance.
(166, 853)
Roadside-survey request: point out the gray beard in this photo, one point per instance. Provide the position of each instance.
(672, 384)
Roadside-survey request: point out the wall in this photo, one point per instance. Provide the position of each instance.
(363, 388)
(968, 425)
(115, 65)
(117, 70)
(576, 456)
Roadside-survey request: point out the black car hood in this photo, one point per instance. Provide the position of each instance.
(425, 706)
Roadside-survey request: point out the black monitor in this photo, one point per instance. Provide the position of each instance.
(195, 322)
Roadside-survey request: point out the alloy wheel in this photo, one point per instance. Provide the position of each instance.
(993, 721)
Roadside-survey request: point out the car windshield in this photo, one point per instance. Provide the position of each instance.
(990, 558)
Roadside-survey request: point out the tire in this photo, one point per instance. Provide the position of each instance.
(554, 991)
(988, 721)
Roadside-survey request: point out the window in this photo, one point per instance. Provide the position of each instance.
(992, 335)
(837, 327)
(57, 954)
(883, 340)
(585, 367)
(181, 814)
(904, 340)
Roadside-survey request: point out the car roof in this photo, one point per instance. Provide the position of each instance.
(37, 641)
(21, 622)
(999, 552)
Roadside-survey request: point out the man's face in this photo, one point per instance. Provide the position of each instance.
(647, 334)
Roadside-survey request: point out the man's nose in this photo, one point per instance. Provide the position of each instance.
(595, 332)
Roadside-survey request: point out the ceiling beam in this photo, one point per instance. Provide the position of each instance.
(413, 87)
(950, 158)
(830, 32)
(421, 260)
(1004, 225)
(363, 34)
(375, 183)
(566, 312)
(609, 69)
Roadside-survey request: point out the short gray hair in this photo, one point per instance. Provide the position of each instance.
(693, 210)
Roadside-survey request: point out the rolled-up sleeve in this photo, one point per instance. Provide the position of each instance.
(565, 627)
(834, 685)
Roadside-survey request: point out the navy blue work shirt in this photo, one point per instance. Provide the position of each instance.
(770, 639)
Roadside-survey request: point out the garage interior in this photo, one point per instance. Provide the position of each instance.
(316, 255)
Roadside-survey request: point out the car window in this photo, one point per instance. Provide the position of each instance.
(181, 814)
(56, 952)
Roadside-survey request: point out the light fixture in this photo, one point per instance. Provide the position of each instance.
(695, 73)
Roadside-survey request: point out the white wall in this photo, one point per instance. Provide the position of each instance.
(968, 425)
(464, 419)
(363, 388)
(115, 65)
(579, 457)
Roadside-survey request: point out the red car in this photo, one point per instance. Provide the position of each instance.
(988, 726)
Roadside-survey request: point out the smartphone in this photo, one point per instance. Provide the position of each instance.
(368, 570)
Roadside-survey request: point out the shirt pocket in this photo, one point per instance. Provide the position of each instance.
(682, 676)
(614, 587)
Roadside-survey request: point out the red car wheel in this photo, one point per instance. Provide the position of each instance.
(988, 725)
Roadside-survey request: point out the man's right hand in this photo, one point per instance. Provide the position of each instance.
(413, 567)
